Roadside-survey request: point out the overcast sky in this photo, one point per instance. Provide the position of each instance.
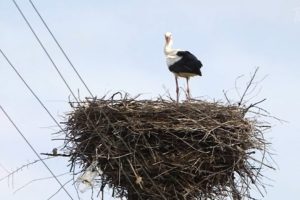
(117, 46)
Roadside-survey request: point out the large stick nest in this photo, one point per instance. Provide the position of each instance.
(158, 149)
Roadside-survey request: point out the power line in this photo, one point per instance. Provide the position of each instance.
(29, 88)
(33, 149)
(60, 47)
(45, 50)
(42, 104)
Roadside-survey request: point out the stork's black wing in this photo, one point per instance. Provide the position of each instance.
(187, 64)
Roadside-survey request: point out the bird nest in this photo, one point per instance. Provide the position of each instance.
(158, 149)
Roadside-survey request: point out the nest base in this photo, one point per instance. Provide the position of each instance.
(164, 150)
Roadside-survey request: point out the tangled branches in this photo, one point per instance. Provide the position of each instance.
(158, 149)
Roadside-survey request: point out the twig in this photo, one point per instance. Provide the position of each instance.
(248, 86)
(21, 168)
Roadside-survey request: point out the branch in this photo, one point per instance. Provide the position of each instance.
(20, 168)
(248, 86)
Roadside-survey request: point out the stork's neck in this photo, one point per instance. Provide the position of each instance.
(168, 47)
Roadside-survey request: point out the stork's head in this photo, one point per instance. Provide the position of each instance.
(168, 37)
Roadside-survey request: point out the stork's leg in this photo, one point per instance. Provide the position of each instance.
(177, 89)
(188, 88)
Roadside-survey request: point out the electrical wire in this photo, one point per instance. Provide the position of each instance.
(45, 50)
(60, 47)
(29, 88)
(35, 152)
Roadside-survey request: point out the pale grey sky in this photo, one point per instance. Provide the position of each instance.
(117, 45)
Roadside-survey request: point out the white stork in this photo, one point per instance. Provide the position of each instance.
(181, 63)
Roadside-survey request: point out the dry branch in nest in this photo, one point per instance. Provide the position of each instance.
(158, 149)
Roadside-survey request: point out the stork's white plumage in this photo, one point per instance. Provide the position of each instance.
(181, 63)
